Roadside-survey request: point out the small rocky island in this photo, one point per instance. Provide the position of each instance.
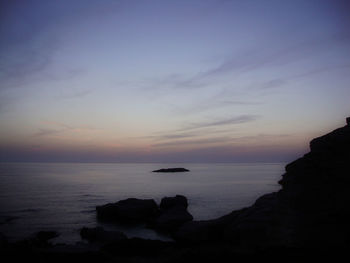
(171, 170)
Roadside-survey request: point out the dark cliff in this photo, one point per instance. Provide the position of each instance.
(311, 210)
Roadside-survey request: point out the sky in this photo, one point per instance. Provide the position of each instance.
(171, 81)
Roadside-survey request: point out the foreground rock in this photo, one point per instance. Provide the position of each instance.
(169, 202)
(139, 249)
(42, 238)
(99, 235)
(131, 210)
(45, 236)
(311, 210)
(171, 170)
(173, 213)
(3, 240)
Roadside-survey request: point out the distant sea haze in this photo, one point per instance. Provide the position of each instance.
(63, 196)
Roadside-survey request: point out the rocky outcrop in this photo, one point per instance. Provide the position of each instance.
(169, 202)
(141, 250)
(171, 170)
(131, 210)
(3, 240)
(311, 209)
(99, 235)
(173, 213)
(315, 190)
(45, 236)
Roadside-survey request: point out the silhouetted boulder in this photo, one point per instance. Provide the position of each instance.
(172, 218)
(205, 230)
(173, 213)
(171, 170)
(3, 240)
(44, 236)
(131, 210)
(99, 235)
(168, 202)
(40, 239)
(139, 247)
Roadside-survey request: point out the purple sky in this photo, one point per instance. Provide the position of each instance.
(171, 81)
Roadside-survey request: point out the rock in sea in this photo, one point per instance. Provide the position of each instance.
(171, 170)
(173, 213)
(99, 235)
(131, 210)
(168, 202)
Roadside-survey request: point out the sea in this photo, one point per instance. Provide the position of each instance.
(62, 197)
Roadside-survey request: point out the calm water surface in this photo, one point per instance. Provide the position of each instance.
(62, 197)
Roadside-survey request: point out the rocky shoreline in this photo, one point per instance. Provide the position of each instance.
(307, 220)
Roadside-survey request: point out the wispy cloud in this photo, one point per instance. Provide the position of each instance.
(205, 141)
(257, 59)
(239, 102)
(59, 128)
(201, 129)
(202, 133)
(28, 46)
(75, 94)
(174, 136)
(213, 104)
(279, 82)
(42, 132)
(273, 83)
(318, 71)
(223, 140)
(228, 121)
(252, 61)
